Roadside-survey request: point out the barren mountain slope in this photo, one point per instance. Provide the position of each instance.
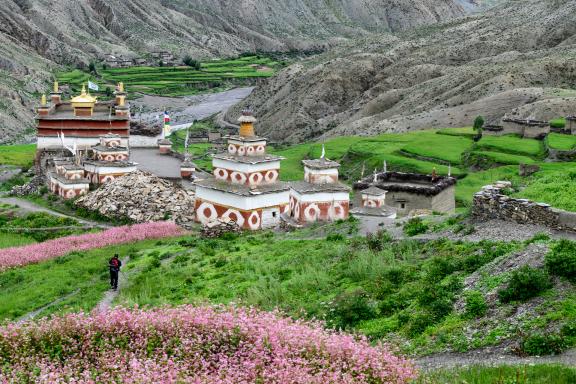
(515, 54)
(36, 34)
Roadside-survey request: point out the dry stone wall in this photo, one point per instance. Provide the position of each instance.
(492, 204)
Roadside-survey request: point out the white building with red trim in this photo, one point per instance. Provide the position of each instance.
(320, 197)
(110, 160)
(245, 186)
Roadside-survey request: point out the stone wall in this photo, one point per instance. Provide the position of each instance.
(492, 204)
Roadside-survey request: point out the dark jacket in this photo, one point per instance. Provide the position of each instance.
(114, 265)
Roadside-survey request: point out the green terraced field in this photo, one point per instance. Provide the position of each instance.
(562, 142)
(513, 145)
(175, 81)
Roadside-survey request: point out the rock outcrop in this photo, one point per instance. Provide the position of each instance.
(37, 35)
(515, 59)
(141, 197)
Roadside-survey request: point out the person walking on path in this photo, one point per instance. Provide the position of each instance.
(115, 264)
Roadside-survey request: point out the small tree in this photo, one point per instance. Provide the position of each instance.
(160, 63)
(92, 67)
(478, 123)
(108, 91)
(190, 62)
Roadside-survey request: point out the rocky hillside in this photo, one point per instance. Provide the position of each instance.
(36, 35)
(517, 58)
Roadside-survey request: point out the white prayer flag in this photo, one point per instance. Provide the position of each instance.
(93, 86)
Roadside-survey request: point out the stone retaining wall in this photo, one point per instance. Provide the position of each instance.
(492, 204)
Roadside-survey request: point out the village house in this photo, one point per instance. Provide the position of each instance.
(320, 197)
(406, 193)
(526, 128)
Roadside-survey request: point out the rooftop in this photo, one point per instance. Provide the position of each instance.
(374, 191)
(322, 163)
(529, 122)
(116, 164)
(305, 187)
(65, 112)
(150, 160)
(64, 180)
(103, 148)
(241, 190)
(71, 167)
(248, 159)
(407, 182)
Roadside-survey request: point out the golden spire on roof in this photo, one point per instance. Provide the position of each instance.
(56, 88)
(121, 87)
(84, 99)
(43, 100)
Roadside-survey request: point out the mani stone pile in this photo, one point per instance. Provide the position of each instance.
(141, 197)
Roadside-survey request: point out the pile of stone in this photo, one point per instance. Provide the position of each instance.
(30, 188)
(219, 227)
(141, 197)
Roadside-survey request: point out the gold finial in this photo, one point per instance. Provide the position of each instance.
(43, 100)
(121, 86)
(121, 101)
(56, 89)
(83, 89)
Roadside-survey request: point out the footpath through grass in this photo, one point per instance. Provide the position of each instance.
(81, 277)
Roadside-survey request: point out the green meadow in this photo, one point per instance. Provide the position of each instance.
(176, 81)
(17, 155)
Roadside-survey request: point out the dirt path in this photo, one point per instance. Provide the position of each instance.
(106, 302)
(29, 206)
(33, 314)
(490, 358)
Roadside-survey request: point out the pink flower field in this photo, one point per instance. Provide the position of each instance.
(19, 256)
(190, 344)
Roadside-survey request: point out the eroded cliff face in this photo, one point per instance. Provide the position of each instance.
(37, 35)
(516, 59)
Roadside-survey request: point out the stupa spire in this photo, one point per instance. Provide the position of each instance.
(247, 121)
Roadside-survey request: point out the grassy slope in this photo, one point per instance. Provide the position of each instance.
(561, 142)
(402, 293)
(8, 240)
(17, 155)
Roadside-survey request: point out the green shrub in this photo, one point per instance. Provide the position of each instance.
(561, 260)
(538, 237)
(569, 329)
(526, 283)
(475, 305)
(376, 241)
(335, 237)
(349, 308)
(415, 226)
(541, 345)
